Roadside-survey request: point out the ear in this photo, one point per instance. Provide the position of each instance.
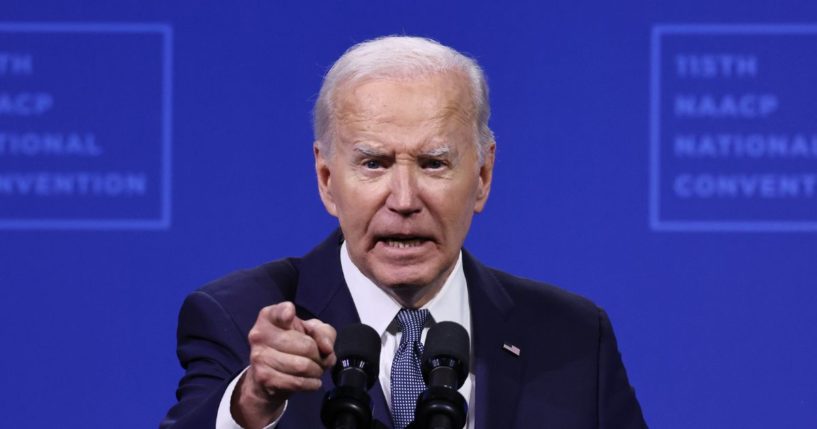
(323, 171)
(486, 174)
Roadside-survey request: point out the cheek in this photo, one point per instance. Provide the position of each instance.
(357, 201)
(453, 204)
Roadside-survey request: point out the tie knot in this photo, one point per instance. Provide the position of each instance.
(412, 322)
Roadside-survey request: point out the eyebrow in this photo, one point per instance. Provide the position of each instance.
(368, 150)
(439, 151)
(371, 151)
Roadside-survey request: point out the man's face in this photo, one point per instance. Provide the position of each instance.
(404, 179)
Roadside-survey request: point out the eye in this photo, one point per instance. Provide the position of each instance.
(372, 164)
(433, 164)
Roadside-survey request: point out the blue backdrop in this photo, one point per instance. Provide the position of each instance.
(656, 157)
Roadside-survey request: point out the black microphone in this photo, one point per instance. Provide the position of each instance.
(348, 405)
(446, 359)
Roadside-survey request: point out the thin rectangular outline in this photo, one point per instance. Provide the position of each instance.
(656, 224)
(164, 220)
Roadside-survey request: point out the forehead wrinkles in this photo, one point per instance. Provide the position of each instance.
(457, 113)
(438, 100)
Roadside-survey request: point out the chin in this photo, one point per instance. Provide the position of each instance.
(402, 277)
(402, 282)
(409, 294)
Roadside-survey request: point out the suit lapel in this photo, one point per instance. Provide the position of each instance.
(322, 294)
(498, 371)
(321, 290)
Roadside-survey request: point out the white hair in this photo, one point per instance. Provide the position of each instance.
(400, 57)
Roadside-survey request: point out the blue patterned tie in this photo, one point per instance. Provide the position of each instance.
(406, 376)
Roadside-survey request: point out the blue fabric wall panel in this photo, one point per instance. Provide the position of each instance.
(714, 325)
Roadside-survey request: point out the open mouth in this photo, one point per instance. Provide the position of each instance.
(403, 242)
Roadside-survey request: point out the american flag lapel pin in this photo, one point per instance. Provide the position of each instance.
(512, 349)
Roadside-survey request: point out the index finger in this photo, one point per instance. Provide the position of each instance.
(283, 316)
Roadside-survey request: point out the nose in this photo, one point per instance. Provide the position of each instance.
(404, 198)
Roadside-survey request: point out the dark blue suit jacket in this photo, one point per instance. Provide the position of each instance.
(569, 374)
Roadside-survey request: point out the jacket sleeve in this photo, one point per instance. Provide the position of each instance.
(618, 406)
(212, 350)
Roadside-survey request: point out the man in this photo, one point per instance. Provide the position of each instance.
(404, 158)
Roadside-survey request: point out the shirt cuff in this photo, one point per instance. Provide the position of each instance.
(224, 418)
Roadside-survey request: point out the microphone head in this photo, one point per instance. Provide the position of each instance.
(447, 344)
(357, 346)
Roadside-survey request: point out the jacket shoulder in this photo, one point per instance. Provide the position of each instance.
(538, 296)
(563, 316)
(243, 293)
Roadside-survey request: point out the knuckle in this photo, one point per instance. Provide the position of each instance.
(255, 335)
(256, 357)
(272, 380)
(301, 366)
(295, 342)
(299, 383)
(330, 331)
(261, 377)
(312, 349)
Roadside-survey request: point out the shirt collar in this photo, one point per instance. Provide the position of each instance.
(377, 309)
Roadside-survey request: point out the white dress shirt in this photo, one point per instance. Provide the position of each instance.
(378, 309)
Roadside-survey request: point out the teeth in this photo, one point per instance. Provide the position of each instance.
(403, 244)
